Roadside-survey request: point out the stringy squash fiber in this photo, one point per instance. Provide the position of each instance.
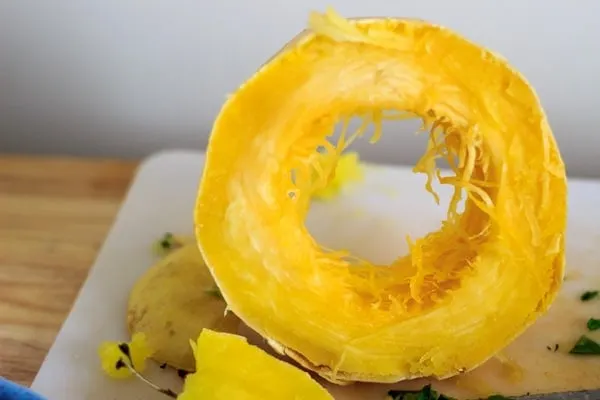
(463, 292)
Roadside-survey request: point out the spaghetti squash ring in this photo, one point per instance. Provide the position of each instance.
(462, 293)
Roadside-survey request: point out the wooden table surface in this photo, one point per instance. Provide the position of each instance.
(54, 215)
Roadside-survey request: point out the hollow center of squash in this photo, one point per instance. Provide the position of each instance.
(372, 214)
(436, 262)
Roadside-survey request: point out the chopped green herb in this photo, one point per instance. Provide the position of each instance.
(589, 295)
(593, 324)
(585, 345)
(427, 393)
(167, 241)
(215, 292)
(166, 244)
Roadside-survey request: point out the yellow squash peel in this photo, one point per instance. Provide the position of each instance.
(462, 293)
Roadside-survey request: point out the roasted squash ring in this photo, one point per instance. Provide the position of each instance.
(462, 293)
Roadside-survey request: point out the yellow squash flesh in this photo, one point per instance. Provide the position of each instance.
(227, 368)
(462, 293)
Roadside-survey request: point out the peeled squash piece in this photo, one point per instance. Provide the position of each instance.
(462, 293)
(227, 367)
(171, 304)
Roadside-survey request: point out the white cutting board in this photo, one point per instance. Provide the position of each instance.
(371, 219)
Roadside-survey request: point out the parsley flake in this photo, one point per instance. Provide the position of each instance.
(589, 295)
(427, 393)
(585, 345)
(167, 241)
(593, 324)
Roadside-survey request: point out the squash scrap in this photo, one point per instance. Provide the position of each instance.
(227, 367)
(171, 304)
(462, 293)
(344, 171)
(115, 355)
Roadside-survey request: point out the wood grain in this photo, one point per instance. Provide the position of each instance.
(54, 215)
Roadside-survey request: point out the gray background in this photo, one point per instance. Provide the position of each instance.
(127, 78)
